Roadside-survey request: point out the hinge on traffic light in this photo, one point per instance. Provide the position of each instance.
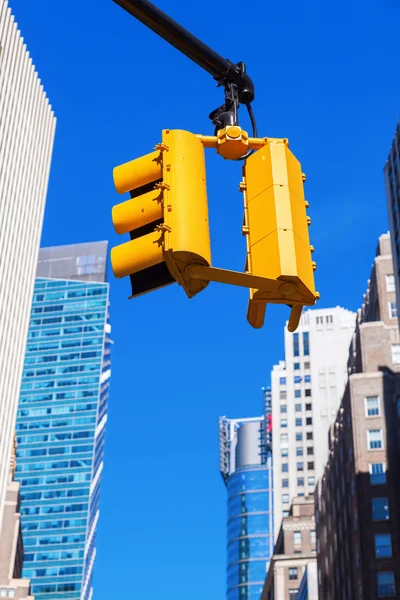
(161, 147)
(162, 186)
(163, 228)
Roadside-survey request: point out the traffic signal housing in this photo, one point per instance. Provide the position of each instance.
(276, 228)
(166, 216)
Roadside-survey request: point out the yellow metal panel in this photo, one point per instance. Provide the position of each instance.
(294, 174)
(137, 255)
(187, 236)
(258, 172)
(137, 212)
(276, 225)
(304, 268)
(138, 172)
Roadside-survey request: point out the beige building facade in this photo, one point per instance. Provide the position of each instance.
(11, 548)
(358, 496)
(295, 548)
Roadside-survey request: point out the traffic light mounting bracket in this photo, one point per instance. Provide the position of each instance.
(278, 292)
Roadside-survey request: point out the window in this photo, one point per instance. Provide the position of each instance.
(293, 573)
(300, 466)
(285, 483)
(313, 536)
(299, 437)
(308, 420)
(329, 318)
(284, 437)
(374, 438)
(311, 480)
(297, 393)
(282, 395)
(296, 366)
(297, 379)
(306, 365)
(377, 473)
(284, 452)
(392, 310)
(307, 393)
(306, 343)
(395, 354)
(310, 450)
(310, 466)
(307, 378)
(285, 498)
(297, 538)
(309, 435)
(383, 545)
(299, 451)
(300, 481)
(380, 509)
(309, 406)
(293, 593)
(390, 284)
(372, 406)
(297, 407)
(283, 408)
(296, 344)
(11, 593)
(299, 422)
(283, 422)
(285, 467)
(282, 380)
(386, 586)
(285, 513)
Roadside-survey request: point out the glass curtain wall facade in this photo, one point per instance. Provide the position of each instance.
(61, 424)
(250, 539)
(246, 467)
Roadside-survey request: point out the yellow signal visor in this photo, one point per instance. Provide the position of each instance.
(138, 212)
(137, 255)
(138, 173)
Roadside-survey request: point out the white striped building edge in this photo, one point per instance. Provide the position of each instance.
(27, 127)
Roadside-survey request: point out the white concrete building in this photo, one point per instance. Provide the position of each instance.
(27, 128)
(306, 391)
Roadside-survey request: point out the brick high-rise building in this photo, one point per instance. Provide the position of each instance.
(392, 182)
(358, 497)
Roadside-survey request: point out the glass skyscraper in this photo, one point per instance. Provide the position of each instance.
(61, 420)
(246, 467)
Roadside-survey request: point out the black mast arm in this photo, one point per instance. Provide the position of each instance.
(223, 70)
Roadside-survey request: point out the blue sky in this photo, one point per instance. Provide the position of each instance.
(326, 77)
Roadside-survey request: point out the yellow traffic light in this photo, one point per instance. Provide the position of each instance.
(167, 216)
(276, 229)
